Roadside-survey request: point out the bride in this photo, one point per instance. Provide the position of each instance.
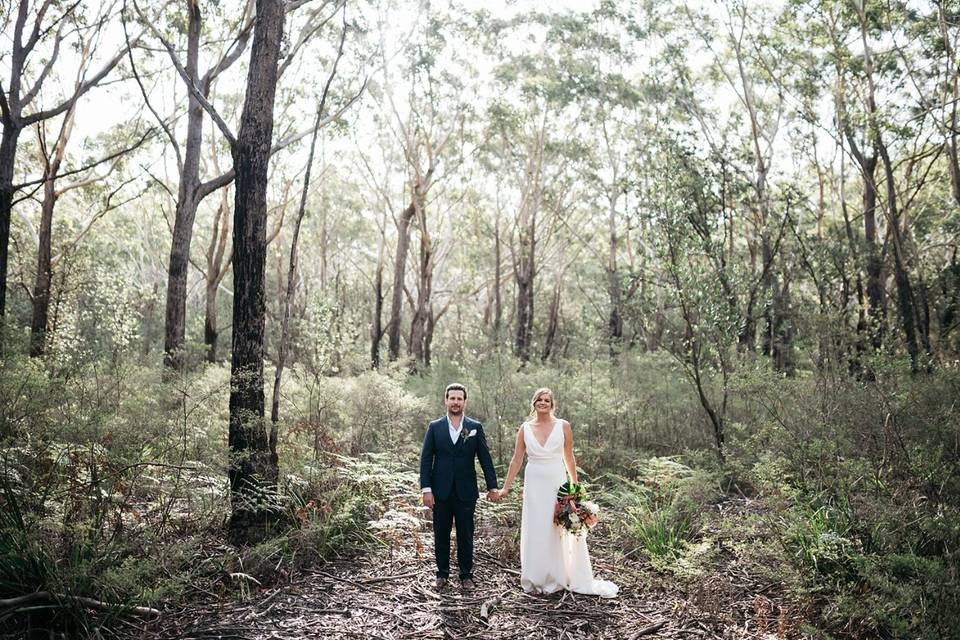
(550, 558)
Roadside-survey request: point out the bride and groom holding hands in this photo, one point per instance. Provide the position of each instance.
(550, 558)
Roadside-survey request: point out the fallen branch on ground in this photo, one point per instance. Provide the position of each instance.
(12, 605)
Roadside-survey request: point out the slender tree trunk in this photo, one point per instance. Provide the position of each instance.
(524, 318)
(876, 307)
(148, 310)
(41, 288)
(431, 324)
(376, 324)
(855, 251)
(497, 277)
(44, 276)
(324, 240)
(615, 318)
(253, 464)
(291, 276)
(952, 155)
(691, 355)
(906, 302)
(188, 200)
(399, 271)
(177, 272)
(953, 78)
(210, 331)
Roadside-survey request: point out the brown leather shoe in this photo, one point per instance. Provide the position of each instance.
(441, 583)
(467, 584)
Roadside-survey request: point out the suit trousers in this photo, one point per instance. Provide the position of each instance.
(445, 513)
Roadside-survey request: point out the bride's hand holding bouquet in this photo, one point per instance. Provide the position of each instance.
(569, 515)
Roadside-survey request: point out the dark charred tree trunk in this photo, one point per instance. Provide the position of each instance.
(253, 464)
(782, 346)
(376, 324)
(217, 266)
(768, 285)
(422, 312)
(906, 302)
(399, 272)
(524, 274)
(553, 320)
(949, 284)
(8, 152)
(148, 312)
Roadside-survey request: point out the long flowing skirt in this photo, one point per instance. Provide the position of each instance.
(550, 558)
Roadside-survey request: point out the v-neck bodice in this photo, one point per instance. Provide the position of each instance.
(552, 447)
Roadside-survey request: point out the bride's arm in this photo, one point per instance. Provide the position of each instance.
(568, 458)
(515, 462)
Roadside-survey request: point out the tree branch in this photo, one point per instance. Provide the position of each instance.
(89, 84)
(146, 136)
(236, 49)
(143, 91)
(191, 85)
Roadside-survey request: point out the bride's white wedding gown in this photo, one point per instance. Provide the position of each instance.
(550, 558)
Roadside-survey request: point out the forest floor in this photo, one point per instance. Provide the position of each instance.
(388, 592)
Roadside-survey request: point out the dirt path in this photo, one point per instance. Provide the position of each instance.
(389, 593)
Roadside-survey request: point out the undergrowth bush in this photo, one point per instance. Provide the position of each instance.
(114, 487)
(663, 506)
(862, 483)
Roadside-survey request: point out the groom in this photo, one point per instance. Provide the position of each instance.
(448, 479)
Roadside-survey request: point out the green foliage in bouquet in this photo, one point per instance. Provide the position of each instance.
(572, 490)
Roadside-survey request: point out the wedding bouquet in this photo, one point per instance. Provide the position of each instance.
(573, 511)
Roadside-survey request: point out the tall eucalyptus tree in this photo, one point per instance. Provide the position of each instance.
(42, 31)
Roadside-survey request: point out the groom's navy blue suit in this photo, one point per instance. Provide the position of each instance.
(449, 470)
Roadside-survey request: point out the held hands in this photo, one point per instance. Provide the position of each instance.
(493, 495)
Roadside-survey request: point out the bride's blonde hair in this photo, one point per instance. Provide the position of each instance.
(536, 396)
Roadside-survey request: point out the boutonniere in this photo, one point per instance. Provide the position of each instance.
(466, 434)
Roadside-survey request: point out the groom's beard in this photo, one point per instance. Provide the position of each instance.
(456, 412)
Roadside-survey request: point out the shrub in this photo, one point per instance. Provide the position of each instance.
(663, 507)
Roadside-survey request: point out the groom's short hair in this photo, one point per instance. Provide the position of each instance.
(455, 386)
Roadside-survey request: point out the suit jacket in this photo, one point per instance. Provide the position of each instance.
(449, 468)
